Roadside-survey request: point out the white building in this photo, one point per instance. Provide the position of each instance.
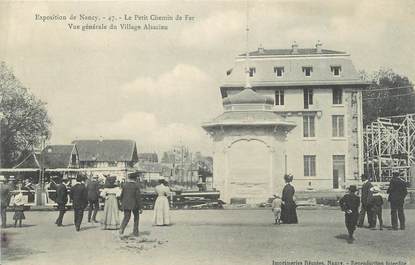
(299, 112)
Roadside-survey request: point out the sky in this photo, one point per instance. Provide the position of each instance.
(158, 87)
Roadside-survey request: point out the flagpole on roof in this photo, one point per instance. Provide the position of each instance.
(247, 83)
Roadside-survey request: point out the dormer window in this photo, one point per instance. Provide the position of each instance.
(252, 71)
(336, 70)
(307, 70)
(279, 71)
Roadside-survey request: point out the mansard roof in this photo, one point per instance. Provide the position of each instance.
(322, 63)
(267, 52)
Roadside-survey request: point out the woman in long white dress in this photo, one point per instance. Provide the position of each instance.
(161, 207)
(111, 193)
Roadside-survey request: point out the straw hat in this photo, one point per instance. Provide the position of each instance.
(375, 189)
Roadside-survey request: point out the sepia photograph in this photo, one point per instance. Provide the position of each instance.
(207, 132)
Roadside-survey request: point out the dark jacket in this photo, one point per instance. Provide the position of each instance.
(350, 202)
(93, 190)
(288, 195)
(79, 195)
(131, 196)
(61, 194)
(397, 190)
(4, 194)
(366, 192)
(376, 201)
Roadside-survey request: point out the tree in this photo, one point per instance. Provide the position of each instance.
(382, 101)
(24, 119)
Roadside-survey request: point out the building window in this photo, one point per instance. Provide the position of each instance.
(337, 96)
(308, 126)
(307, 70)
(336, 70)
(252, 71)
(279, 97)
(338, 125)
(279, 71)
(339, 170)
(73, 159)
(309, 166)
(308, 97)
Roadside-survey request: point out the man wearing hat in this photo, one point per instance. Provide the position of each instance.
(365, 210)
(131, 202)
(350, 205)
(79, 195)
(61, 200)
(93, 198)
(4, 200)
(397, 192)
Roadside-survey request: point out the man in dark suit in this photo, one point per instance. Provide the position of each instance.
(93, 198)
(397, 192)
(79, 196)
(365, 209)
(4, 200)
(350, 205)
(61, 200)
(131, 202)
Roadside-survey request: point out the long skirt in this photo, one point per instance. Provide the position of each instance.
(289, 214)
(161, 211)
(19, 215)
(111, 216)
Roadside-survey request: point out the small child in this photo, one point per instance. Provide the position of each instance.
(276, 208)
(376, 201)
(350, 205)
(18, 209)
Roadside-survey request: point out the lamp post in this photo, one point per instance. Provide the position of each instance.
(41, 192)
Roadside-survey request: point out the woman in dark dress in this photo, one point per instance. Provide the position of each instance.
(288, 207)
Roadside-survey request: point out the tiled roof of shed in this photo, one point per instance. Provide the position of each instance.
(56, 156)
(106, 150)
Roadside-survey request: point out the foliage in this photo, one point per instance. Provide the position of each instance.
(24, 119)
(386, 103)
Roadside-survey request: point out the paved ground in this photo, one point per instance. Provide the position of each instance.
(207, 237)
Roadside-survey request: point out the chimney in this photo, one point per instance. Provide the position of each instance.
(318, 46)
(294, 48)
(261, 49)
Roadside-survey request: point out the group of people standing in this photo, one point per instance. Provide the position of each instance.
(371, 205)
(125, 197)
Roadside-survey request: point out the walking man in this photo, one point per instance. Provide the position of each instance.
(365, 209)
(79, 196)
(4, 200)
(93, 198)
(350, 205)
(397, 192)
(131, 202)
(61, 200)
